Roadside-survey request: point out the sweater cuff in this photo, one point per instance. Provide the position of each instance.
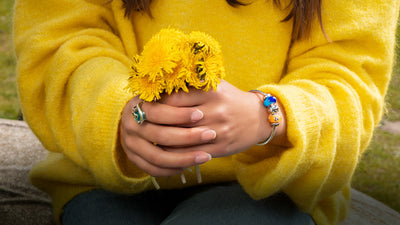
(265, 170)
(104, 81)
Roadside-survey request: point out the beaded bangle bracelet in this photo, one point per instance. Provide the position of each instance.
(274, 118)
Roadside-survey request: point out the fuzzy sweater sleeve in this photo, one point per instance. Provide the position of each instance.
(72, 70)
(333, 94)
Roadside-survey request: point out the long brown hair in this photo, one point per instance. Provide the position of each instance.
(302, 12)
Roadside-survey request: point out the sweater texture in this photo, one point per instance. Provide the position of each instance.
(73, 66)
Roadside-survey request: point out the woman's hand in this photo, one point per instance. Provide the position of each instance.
(165, 125)
(238, 118)
(191, 127)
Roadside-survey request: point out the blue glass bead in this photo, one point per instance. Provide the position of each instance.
(269, 100)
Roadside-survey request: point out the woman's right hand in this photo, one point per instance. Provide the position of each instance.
(167, 126)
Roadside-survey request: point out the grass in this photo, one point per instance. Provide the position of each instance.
(9, 107)
(377, 175)
(393, 96)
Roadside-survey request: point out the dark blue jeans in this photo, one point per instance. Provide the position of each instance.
(203, 205)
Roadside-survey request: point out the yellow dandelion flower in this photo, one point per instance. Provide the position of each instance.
(214, 72)
(146, 90)
(161, 54)
(196, 76)
(172, 61)
(176, 81)
(206, 58)
(211, 46)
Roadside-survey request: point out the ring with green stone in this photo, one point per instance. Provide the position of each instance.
(138, 114)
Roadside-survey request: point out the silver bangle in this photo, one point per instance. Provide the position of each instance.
(274, 118)
(270, 136)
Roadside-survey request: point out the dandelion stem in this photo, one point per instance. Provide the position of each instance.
(198, 174)
(154, 181)
(183, 178)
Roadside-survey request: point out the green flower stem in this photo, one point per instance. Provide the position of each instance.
(154, 181)
(198, 173)
(183, 178)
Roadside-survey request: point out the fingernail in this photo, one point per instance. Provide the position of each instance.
(208, 135)
(202, 158)
(196, 115)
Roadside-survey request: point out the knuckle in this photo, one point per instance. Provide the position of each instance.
(226, 130)
(147, 108)
(170, 99)
(223, 113)
(130, 129)
(222, 150)
(191, 134)
(225, 143)
(126, 125)
(183, 115)
(153, 171)
(156, 159)
(131, 156)
(130, 145)
(161, 138)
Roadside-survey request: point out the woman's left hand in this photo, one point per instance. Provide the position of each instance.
(239, 118)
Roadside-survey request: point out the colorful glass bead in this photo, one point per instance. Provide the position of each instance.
(268, 100)
(273, 108)
(274, 118)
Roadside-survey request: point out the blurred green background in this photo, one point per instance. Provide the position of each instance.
(9, 107)
(377, 175)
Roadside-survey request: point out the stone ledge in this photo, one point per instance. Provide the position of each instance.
(20, 149)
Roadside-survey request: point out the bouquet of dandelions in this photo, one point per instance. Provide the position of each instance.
(174, 61)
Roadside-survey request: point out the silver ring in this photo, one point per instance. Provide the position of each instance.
(138, 113)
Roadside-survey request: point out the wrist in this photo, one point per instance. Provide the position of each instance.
(274, 119)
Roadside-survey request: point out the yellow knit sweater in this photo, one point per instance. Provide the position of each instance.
(73, 64)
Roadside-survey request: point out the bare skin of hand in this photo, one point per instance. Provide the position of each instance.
(191, 127)
(162, 127)
(238, 118)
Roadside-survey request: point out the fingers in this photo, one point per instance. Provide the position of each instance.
(175, 136)
(157, 162)
(217, 149)
(165, 114)
(183, 99)
(151, 169)
(158, 115)
(136, 141)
